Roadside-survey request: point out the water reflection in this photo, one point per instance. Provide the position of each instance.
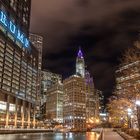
(52, 136)
(92, 136)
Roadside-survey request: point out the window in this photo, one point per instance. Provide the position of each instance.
(5, 87)
(7, 72)
(12, 107)
(2, 105)
(6, 82)
(2, 44)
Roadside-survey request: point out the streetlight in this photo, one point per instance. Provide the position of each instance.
(129, 112)
(138, 102)
(138, 112)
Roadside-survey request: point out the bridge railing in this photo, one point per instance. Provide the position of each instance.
(101, 137)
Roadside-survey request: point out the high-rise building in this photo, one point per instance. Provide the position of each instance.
(127, 77)
(101, 111)
(18, 66)
(80, 64)
(18, 12)
(81, 103)
(48, 79)
(52, 109)
(37, 41)
(101, 101)
(92, 108)
(75, 103)
(128, 84)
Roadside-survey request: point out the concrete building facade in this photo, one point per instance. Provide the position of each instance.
(53, 107)
(37, 41)
(92, 103)
(18, 66)
(48, 79)
(75, 103)
(128, 84)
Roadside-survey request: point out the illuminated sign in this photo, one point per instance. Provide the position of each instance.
(13, 29)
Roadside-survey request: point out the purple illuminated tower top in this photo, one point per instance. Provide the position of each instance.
(80, 54)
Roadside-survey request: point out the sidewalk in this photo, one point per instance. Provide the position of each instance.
(109, 134)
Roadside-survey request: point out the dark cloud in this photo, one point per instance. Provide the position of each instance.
(104, 29)
(59, 20)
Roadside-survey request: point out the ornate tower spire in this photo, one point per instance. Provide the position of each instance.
(80, 54)
(80, 64)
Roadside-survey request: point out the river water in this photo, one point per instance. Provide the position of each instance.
(51, 136)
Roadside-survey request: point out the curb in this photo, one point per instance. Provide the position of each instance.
(125, 136)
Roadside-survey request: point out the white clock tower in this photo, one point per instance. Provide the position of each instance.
(80, 64)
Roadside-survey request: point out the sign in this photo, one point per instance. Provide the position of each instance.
(13, 29)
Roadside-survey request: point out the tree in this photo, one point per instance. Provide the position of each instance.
(132, 54)
(118, 111)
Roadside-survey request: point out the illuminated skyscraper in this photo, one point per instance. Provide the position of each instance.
(53, 107)
(80, 100)
(92, 108)
(48, 79)
(18, 66)
(19, 13)
(80, 64)
(37, 41)
(75, 103)
(127, 77)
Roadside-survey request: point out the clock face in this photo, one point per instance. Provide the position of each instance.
(80, 66)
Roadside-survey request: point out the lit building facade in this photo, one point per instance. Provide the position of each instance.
(37, 41)
(127, 76)
(75, 103)
(18, 66)
(128, 83)
(80, 64)
(81, 103)
(92, 105)
(100, 95)
(53, 108)
(48, 79)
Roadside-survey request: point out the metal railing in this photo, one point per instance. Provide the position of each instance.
(101, 137)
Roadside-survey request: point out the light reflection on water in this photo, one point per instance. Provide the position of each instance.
(92, 136)
(51, 136)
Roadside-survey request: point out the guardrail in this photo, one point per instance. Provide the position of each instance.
(101, 137)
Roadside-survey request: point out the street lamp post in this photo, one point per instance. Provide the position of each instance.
(129, 113)
(138, 112)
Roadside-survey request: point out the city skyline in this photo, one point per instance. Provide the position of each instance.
(69, 69)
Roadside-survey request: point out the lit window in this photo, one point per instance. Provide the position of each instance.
(2, 105)
(12, 107)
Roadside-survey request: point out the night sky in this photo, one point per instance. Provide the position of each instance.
(103, 28)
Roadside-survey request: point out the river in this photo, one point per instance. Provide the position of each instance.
(51, 136)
